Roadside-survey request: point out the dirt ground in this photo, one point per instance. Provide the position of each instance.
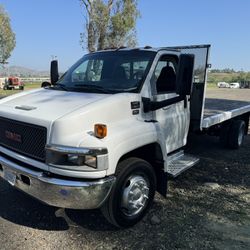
(230, 94)
(207, 207)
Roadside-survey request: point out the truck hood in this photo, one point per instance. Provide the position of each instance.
(47, 104)
(70, 116)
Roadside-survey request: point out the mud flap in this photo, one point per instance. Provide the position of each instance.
(162, 184)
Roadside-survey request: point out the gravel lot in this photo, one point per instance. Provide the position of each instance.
(208, 207)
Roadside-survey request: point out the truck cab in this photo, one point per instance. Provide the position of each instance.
(108, 132)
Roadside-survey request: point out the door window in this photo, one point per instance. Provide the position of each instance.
(164, 77)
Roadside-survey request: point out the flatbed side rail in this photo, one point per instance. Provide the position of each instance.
(224, 116)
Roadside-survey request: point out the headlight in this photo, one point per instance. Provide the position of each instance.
(67, 159)
(77, 158)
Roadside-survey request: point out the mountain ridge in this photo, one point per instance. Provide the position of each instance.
(22, 72)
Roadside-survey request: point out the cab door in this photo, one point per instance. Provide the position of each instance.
(201, 65)
(173, 119)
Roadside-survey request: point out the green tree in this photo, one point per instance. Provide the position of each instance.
(7, 37)
(248, 76)
(109, 23)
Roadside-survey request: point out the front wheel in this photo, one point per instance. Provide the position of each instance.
(132, 194)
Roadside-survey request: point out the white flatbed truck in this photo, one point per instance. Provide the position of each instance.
(110, 131)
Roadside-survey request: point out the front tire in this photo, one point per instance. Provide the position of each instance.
(133, 193)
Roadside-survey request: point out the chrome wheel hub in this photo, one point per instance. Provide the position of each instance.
(135, 195)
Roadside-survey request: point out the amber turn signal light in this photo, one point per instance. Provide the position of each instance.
(100, 131)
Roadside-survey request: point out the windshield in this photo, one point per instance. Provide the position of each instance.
(109, 72)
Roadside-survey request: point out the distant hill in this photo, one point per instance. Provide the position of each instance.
(22, 72)
(215, 77)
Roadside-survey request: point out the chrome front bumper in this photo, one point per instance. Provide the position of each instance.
(57, 192)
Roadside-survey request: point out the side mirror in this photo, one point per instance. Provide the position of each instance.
(54, 74)
(45, 84)
(184, 81)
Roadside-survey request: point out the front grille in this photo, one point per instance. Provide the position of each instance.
(24, 138)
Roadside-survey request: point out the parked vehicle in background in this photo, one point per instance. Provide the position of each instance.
(234, 85)
(245, 85)
(13, 83)
(2, 82)
(223, 85)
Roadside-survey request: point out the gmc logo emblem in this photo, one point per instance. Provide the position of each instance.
(13, 136)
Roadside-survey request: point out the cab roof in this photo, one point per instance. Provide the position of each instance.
(157, 49)
(146, 48)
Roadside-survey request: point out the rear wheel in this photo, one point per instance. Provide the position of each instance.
(236, 134)
(132, 194)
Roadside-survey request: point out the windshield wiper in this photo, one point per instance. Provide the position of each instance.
(104, 90)
(125, 90)
(93, 87)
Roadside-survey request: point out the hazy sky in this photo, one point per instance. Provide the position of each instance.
(52, 27)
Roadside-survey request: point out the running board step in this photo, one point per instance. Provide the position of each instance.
(180, 162)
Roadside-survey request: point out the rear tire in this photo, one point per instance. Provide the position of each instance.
(133, 193)
(236, 134)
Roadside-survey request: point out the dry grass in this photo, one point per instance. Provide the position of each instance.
(28, 86)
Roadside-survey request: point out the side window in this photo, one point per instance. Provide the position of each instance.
(164, 76)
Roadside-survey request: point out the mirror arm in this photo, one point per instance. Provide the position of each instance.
(149, 105)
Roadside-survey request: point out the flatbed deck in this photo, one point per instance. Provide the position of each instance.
(224, 104)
